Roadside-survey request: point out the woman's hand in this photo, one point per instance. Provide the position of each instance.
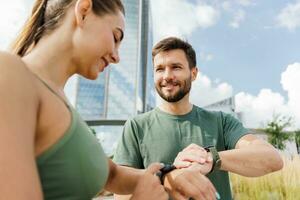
(186, 183)
(149, 186)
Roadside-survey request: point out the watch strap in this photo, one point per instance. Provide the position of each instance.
(163, 171)
(216, 158)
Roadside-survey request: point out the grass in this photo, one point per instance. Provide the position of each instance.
(281, 185)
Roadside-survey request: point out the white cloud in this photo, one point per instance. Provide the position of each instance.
(238, 17)
(181, 18)
(290, 80)
(258, 110)
(13, 14)
(204, 92)
(236, 10)
(289, 16)
(206, 16)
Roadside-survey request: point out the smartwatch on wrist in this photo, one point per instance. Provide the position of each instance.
(163, 171)
(216, 158)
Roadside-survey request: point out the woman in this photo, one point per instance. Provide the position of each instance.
(46, 150)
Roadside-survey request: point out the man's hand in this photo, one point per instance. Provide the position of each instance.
(186, 183)
(194, 154)
(149, 186)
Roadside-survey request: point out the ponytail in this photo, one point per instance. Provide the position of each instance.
(32, 30)
(46, 16)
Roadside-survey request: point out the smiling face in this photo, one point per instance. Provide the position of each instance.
(96, 43)
(172, 75)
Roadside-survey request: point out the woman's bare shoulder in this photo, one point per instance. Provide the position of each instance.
(12, 66)
(15, 74)
(10, 61)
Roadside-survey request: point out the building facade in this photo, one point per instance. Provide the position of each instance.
(226, 105)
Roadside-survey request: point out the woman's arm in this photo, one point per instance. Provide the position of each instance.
(18, 112)
(122, 179)
(142, 184)
(181, 184)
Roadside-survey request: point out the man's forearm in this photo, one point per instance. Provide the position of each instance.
(251, 161)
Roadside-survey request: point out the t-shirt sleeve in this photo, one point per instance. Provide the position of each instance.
(128, 151)
(233, 130)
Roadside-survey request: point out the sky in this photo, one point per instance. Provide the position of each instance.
(249, 49)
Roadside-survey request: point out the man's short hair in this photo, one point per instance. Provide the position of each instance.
(172, 43)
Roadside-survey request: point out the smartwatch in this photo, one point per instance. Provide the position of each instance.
(163, 171)
(216, 158)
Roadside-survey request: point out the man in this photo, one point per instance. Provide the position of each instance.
(177, 131)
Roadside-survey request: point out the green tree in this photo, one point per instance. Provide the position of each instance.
(297, 140)
(276, 130)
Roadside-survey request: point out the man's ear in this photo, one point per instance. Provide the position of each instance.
(194, 73)
(82, 8)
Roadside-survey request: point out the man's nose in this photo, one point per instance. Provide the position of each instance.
(168, 74)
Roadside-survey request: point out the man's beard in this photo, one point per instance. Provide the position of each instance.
(184, 88)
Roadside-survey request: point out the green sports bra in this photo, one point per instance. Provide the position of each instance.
(75, 167)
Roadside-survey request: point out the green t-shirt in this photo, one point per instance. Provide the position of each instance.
(156, 136)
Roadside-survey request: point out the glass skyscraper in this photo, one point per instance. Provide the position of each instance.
(125, 89)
